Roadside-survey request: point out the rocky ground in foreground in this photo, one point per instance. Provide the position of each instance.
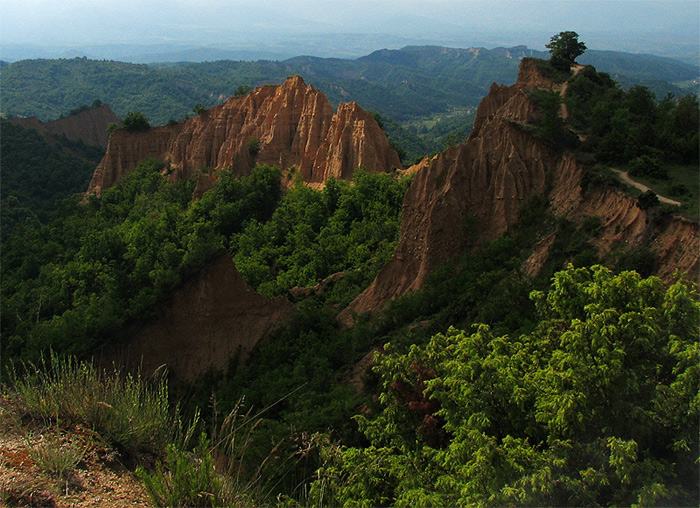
(44, 464)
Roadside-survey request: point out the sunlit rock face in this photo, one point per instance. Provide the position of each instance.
(290, 126)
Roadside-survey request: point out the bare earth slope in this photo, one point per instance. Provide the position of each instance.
(210, 319)
(89, 126)
(98, 480)
(473, 192)
(293, 123)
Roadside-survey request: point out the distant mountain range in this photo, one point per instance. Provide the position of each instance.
(425, 92)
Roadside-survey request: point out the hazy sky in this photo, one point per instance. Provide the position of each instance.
(225, 22)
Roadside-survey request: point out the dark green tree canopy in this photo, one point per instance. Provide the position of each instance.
(135, 121)
(565, 47)
(597, 406)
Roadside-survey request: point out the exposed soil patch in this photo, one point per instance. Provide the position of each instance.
(98, 479)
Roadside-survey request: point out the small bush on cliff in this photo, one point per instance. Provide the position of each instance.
(111, 127)
(647, 200)
(647, 166)
(242, 90)
(253, 147)
(135, 121)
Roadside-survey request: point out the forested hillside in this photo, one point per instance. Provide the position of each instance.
(36, 173)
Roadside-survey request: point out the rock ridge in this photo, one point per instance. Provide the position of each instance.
(474, 192)
(292, 125)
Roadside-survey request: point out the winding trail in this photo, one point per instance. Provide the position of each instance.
(625, 177)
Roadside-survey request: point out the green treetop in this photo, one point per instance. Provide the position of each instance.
(135, 121)
(565, 47)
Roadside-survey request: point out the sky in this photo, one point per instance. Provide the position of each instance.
(603, 24)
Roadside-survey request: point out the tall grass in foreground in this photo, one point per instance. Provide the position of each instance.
(124, 409)
(212, 474)
(185, 479)
(54, 457)
(219, 472)
(134, 414)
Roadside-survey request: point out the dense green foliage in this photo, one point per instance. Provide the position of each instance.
(584, 394)
(99, 264)
(96, 265)
(301, 373)
(339, 237)
(36, 173)
(72, 283)
(347, 227)
(656, 142)
(597, 406)
(621, 126)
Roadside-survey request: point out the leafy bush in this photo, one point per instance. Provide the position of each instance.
(678, 189)
(242, 90)
(135, 121)
(597, 406)
(253, 147)
(554, 71)
(647, 200)
(111, 127)
(647, 166)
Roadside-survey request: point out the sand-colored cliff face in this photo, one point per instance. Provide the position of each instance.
(474, 192)
(89, 126)
(212, 318)
(294, 124)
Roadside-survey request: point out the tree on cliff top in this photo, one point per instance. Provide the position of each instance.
(135, 121)
(565, 47)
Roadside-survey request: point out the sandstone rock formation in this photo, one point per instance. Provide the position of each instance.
(89, 125)
(213, 318)
(474, 192)
(293, 125)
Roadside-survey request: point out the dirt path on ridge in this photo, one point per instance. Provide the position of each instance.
(563, 112)
(625, 177)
